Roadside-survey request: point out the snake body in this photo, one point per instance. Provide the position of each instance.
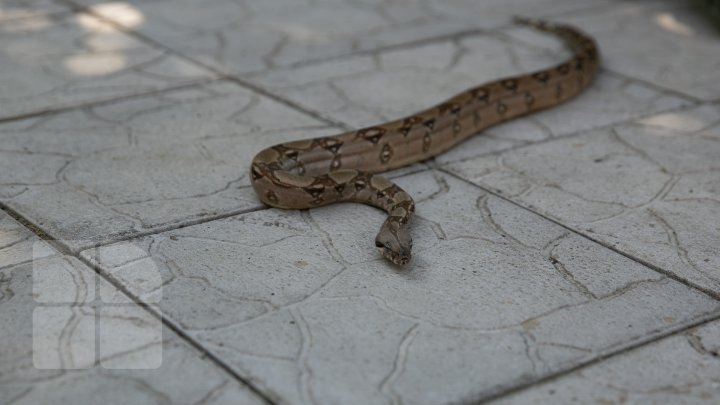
(319, 171)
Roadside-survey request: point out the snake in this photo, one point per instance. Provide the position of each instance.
(313, 172)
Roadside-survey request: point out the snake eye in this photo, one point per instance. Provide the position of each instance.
(255, 172)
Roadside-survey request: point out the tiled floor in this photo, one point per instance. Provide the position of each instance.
(570, 256)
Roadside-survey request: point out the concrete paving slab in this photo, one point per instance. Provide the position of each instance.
(58, 60)
(672, 44)
(21, 9)
(648, 188)
(496, 297)
(256, 35)
(151, 162)
(682, 369)
(18, 245)
(70, 337)
(116, 170)
(367, 90)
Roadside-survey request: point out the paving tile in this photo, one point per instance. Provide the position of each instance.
(673, 44)
(302, 305)
(368, 90)
(682, 369)
(21, 9)
(59, 60)
(649, 188)
(134, 166)
(50, 308)
(257, 35)
(17, 245)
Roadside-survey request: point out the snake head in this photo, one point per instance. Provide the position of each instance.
(394, 242)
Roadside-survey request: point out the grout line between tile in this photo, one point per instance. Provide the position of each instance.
(248, 84)
(35, 229)
(101, 102)
(167, 228)
(654, 86)
(317, 115)
(640, 343)
(706, 291)
(288, 103)
(50, 15)
(60, 247)
(38, 231)
(205, 353)
(661, 89)
(568, 135)
(374, 51)
(220, 73)
(425, 41)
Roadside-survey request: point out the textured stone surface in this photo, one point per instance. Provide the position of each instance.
(116, 170)
(57, 60)
(18, 245)
(256, 35)
(20, 9)
(150, 161)
(368, 90)
(649, 188)
(295, 300)
(50, 306)
(682, 369)
(672, 44)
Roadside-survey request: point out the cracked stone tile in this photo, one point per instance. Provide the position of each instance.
(17, 245)
(256, 35)
(648, 188)
(60, 60)
(116, 170)
(683, 368)
(303, 306)
(50, 352)
(367, 90)
(673, 44)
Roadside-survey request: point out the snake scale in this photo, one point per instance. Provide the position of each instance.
(313, 172)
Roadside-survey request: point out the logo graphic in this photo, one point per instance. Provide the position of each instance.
(81, 320)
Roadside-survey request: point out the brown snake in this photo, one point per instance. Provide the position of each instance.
(325, 170)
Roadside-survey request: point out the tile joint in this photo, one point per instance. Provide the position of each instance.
(714, 295)
(65, 250)
(639, 344)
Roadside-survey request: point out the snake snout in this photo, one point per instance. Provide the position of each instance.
(394, 246)
(399, 258)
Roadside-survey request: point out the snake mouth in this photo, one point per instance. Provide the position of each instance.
(398, 258)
